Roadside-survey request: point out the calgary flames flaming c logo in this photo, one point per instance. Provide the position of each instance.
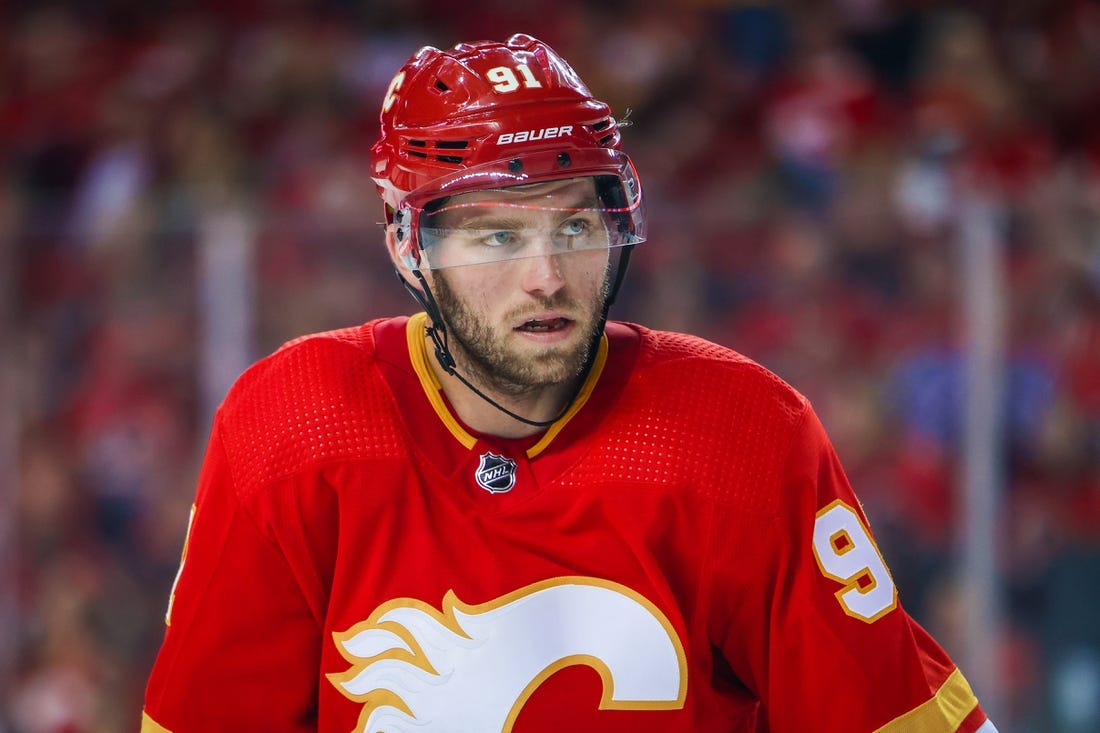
(417, 668)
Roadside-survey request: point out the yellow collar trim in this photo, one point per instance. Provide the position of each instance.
(418, 354)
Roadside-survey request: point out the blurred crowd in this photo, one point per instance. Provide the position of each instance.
(813, 172)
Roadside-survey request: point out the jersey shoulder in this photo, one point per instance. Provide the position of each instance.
(709, 375)
(318, 398)
(702, 416)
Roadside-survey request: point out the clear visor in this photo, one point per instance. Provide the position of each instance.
(531, 219)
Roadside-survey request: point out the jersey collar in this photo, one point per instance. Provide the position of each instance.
(418, 355)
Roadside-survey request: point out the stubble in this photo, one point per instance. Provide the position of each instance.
(493, 363)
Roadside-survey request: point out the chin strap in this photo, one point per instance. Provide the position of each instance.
(437, 332)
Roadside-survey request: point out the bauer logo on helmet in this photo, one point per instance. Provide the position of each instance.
(545, 133)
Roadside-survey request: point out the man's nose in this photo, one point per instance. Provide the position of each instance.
(542, 269)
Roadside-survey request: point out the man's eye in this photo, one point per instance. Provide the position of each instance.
(574, 227)
(501, 238)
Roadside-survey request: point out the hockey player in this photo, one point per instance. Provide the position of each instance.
(508, 513)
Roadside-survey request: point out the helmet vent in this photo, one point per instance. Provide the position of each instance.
(441, 86)
(602, 125)
(430, 149)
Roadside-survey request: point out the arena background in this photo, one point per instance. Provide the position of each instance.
(893, 204)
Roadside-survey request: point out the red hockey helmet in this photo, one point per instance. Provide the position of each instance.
(487, 116)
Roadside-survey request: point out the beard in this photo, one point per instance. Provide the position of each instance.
(491, 362)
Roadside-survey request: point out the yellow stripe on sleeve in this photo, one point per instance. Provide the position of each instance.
(945, 711)
(148, 725)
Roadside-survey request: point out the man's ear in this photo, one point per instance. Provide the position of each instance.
(400, 262)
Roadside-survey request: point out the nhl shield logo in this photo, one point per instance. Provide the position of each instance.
(496, 474)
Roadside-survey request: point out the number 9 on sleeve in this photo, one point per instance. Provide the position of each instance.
(846, 553)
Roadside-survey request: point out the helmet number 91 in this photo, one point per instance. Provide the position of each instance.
(504, 79)
(846, 553)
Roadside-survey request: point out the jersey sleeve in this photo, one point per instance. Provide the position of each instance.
(241, 647)
(815, 627)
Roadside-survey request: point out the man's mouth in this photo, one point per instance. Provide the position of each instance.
(543, 325)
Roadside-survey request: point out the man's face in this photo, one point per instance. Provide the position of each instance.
(528, 322)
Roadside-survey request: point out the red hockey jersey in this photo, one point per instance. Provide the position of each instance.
(681, 552)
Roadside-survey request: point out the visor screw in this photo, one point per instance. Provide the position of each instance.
(564, 160)
(515, 165)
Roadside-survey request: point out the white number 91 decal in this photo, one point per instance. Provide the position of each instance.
(504, 79)
(846, 553)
